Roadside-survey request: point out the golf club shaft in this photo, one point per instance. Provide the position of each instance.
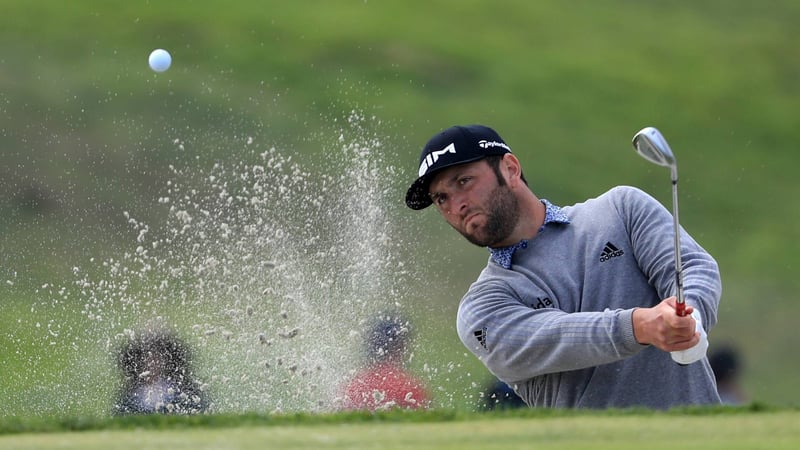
(651, 145)
(680, 307)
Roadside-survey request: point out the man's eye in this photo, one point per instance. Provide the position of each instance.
(465, 180)
(439, 199)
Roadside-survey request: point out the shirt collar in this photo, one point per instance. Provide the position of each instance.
(503, 255)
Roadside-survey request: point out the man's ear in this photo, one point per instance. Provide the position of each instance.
(512, 169)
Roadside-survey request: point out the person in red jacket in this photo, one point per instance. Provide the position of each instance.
(384, 382)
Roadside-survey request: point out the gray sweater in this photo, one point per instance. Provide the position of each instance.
(557, 325)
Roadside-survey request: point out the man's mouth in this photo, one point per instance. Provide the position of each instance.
(470, 218)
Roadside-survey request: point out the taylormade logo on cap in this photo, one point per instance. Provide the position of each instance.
(489, 144)
(432, 157)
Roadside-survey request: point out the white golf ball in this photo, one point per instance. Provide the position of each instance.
(159, 60)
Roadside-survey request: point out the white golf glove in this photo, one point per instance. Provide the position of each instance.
(697, 352)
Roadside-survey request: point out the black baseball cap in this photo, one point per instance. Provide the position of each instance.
(455, 145)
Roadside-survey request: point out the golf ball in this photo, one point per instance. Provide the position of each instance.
(159, 60)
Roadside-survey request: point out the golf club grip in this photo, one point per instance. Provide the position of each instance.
(680, 308)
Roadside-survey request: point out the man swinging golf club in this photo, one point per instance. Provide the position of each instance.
(576, 306)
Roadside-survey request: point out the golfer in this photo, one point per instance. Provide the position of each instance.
(575, 308)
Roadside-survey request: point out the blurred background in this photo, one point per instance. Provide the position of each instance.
(251, 197)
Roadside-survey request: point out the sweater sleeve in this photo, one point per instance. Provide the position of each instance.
(516, 342)
(651, 232)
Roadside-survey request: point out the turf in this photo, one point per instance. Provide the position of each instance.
(744, 428)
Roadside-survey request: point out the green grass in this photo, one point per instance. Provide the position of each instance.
(88, 132)
(701, 429)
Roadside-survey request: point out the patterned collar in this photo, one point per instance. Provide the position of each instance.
(503, 255)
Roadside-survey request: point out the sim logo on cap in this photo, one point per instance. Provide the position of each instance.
(432, 157)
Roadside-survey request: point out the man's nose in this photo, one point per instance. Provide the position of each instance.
(458, 203)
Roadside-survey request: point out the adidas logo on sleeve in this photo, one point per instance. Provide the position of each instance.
(480, 335)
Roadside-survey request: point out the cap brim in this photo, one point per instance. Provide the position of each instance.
(417, 196)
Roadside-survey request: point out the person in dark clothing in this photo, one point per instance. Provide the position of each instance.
(499, 396)
(726, 363)
(157, 377)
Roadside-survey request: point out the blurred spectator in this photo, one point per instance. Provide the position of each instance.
(157, 377)
(727, 366)
(499, 395)
(385, 383)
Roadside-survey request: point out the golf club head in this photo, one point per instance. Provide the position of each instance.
(652, 146)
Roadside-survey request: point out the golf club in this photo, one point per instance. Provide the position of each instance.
(652, 146)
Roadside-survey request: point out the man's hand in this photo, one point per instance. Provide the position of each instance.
(661, 327)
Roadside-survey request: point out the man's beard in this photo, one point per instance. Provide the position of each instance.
(502, 216)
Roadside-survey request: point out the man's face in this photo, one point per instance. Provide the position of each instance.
(475, 202)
